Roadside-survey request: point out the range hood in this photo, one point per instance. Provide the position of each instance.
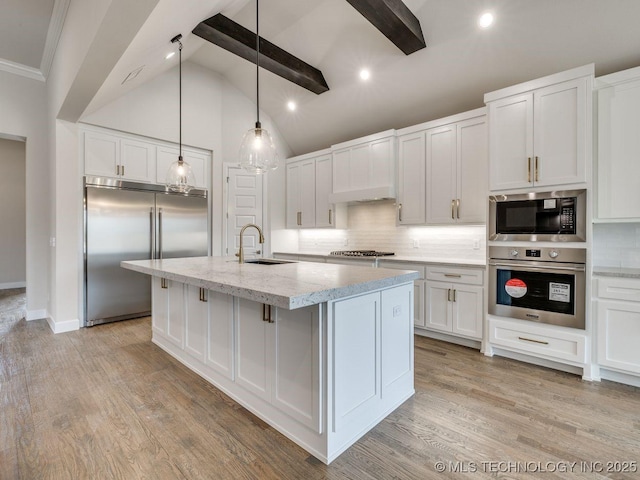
(363, 195)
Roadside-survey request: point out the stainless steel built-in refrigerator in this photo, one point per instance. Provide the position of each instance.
(134, 221)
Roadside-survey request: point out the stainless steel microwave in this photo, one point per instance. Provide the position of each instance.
(558, 216)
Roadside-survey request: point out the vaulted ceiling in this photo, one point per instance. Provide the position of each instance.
(530, 39)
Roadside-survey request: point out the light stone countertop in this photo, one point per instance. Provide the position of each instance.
(288, 285)
(397, 258)
(620, 272)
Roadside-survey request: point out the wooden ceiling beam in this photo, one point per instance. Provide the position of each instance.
(233, 37)
(394, 19)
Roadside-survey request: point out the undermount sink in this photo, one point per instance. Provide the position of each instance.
(268, 261)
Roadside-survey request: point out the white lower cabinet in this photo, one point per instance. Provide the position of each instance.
(454, 301)
(418, 287)
(558, 344)
(323, 375)
(617, 311)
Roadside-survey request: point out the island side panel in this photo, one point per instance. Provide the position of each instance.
(369, 362)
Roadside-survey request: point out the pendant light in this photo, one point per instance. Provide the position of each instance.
(180, 177)
(257, 152)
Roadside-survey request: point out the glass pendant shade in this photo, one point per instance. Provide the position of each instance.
(180, 177)
(257, 152)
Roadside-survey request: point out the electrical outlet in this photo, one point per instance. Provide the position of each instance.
(476, 244)
(416, 243)
(346, 242)
(397, 310)
(52, 241)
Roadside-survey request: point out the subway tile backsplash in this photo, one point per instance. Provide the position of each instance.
(371, 225)
(616, 245)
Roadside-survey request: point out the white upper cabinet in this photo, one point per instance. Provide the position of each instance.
(617, 167)
(309, 180)
(107, 153)
(442, 171)
(364, 169)
(539, 131)
(411, 179)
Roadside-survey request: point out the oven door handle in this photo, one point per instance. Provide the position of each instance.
(524, 266)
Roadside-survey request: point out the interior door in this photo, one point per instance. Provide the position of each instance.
(244, 205)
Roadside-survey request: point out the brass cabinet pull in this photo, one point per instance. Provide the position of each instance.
(453, 275)
(454, 295)
(117, 170)
(524, 339)
(400, 212)
(529, 169)
(330, 217)
(299, 218)
(458, 208)
(448, 294)
(163, 283)
(266, 313)
(203, 295)
(453, 208)
(122, 170)
(536, 169)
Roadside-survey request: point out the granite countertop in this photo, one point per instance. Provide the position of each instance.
(621, 272)
(398, 258)
(288, 285)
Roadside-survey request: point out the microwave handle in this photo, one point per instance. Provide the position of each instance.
(576, 268)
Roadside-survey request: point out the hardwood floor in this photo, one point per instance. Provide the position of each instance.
(105, 403)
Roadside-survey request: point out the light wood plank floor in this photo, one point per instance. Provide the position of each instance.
(105, 403)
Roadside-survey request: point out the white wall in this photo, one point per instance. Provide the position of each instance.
(22, 103)
(13, 214)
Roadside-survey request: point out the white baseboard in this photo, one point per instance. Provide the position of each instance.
(36, 314)
(65, 326)
(8, 285)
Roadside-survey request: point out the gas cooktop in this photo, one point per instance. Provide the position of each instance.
(360, 253)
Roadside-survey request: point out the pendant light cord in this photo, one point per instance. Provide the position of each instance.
(257, 67)
(180, 97)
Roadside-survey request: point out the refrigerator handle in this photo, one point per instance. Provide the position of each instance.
(152, 239)
(160, 233)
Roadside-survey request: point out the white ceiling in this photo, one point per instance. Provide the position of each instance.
(530, 39)
(23, 30)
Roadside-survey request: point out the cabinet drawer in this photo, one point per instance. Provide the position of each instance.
(402, 266)
(538, 340)
(617, 288)
(470, 276)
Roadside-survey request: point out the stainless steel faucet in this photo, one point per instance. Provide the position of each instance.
(240, 253)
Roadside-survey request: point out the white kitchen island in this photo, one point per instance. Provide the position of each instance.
(321, 352)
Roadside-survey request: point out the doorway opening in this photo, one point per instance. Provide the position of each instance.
(13, 216)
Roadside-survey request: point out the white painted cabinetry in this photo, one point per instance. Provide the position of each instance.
(442, 171)
(418, 287)
(412, 179)
(617, 311)
(309, 179)
(617, 166)
(107, 153)
(364, 168)
(457, 160)
(540, 131)
(454, 301)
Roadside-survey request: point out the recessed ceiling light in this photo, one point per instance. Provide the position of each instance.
(291, 105)
(365, 74)
(485, 20)
(169, 55)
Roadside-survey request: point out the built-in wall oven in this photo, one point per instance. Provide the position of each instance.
(540, 284)
(558, 216)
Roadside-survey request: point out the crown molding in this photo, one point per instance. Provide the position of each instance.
(56, 23)
(22, 70)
